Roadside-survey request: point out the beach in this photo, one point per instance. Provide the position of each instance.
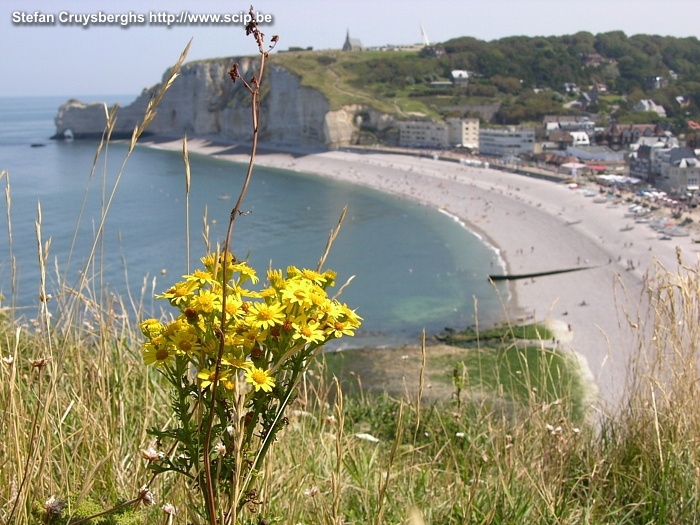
(537, 226)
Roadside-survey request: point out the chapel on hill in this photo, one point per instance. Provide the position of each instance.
(352, 44)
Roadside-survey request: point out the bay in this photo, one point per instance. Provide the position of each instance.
(413, 267)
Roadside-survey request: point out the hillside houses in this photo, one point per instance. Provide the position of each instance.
(646, 104)
(568, 123)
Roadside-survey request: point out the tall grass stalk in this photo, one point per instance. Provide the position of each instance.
(5, 174)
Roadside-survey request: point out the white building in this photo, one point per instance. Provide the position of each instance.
(646, 104)
(676, 169)
(423, 134)
(580, 138)
(506, 142)
(463, 132)
(459, 76)
(684, 175)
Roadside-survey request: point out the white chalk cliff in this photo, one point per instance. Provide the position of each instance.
(204, 101)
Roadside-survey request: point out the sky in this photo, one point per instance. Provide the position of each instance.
(67, 59)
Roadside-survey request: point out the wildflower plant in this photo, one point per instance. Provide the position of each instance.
(233, 355)
(269, 337)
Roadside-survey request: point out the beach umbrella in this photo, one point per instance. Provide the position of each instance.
(573, 165)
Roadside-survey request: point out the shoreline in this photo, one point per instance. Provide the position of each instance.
(534, 225)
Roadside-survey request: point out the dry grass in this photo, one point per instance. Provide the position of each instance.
(73, 428)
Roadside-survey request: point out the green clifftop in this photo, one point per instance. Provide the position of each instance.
(523, 77)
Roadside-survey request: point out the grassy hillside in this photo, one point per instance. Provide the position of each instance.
(347, 78)
(508, 71)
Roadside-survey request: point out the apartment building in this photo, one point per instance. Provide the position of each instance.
(423, 134)
(463, 132)
(506, 142)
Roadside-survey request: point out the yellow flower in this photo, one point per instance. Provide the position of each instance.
(206, 302)
(174, 327)
(232, 305)
(339, 329)
(227, 258)
(236, 362)
(157, 355)
(251, 336)
(264, 316)
(260, 379)
(254, 294)
(201, 277)
(318, 296)
(208, 376)
(210, 346)
(297, 292)
(330, 309)
(329, 276)
(246, 272)
(309, 332)
(292, 271)
(213, 262)
(184, 341)
(267, 293)
(151, 328)
(179, 293)
(312, 276)
(350, 316)
(209, 261)
(275, 278)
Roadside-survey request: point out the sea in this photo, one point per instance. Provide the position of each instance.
(412, 267)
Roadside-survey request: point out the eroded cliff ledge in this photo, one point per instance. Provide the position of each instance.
(204, 102)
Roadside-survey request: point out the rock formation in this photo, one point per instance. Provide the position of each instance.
(204, 102)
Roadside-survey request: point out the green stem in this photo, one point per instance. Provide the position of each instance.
(298, 368)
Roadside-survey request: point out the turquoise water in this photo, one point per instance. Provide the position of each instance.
(413, 267)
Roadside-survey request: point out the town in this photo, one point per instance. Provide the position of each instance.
(649, 143)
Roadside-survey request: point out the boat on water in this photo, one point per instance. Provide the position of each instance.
(224, 197)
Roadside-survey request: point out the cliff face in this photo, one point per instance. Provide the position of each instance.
(204, 101)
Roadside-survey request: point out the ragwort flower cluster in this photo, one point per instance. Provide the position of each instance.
(265, 330)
